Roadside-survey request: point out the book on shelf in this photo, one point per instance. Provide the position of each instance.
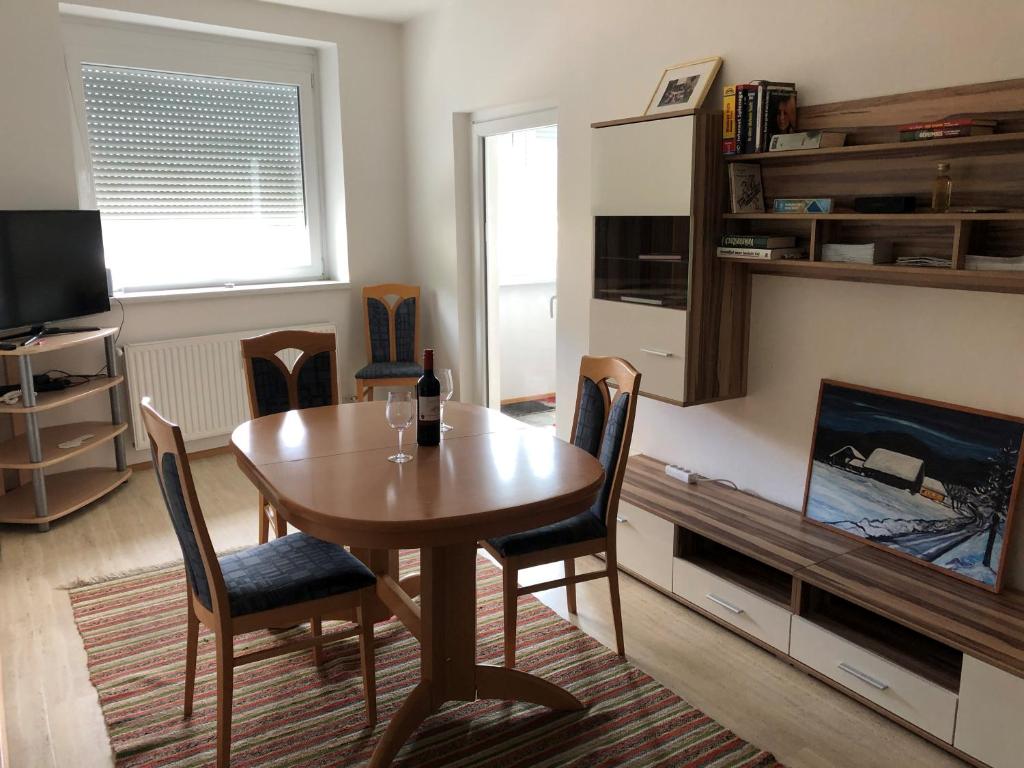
(802, 205)
(787, 142)
(776, 112)
(996, 263)
(758, 241)
(729, 120)
(764, 254)
(947, 129)
(950, 122)
(746, 106)
(858, 253)
(745, 192)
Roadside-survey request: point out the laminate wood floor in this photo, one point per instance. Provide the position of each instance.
(54, 719)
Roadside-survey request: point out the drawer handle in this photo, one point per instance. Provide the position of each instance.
(874, 682)
(724, 603)
(658, 352)
(619, 519)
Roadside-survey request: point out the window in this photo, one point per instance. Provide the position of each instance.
(201, 178)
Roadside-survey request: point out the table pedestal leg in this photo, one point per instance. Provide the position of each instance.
(448, 656)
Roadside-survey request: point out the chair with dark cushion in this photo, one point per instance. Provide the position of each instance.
(603, 427)
(273, 387)
(392, 314)
(292, 579)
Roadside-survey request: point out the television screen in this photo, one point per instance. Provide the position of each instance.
(51, 267)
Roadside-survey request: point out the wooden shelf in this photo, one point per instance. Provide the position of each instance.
(66, 492)
(903, 218)
(996, 142)
(988, 627)
(771, 534)
(61, 341)
(47, 400)
(14, 452)
(994, 281)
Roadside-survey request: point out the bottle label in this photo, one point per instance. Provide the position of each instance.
(430, 408)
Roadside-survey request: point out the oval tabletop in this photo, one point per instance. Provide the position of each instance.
(326, 470)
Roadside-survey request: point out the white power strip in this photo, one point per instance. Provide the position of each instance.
(679, 473)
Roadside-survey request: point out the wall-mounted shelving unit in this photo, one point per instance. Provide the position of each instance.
(987, 172)
(42, 498)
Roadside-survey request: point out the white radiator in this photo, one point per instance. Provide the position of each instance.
(197, 383)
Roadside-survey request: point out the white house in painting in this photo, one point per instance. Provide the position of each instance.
(847, 457)
(895, 469)
(935, 490)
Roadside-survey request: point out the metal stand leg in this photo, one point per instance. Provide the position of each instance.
(35, 448)
(115, 403)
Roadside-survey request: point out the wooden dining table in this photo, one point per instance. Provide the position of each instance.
(326, 471)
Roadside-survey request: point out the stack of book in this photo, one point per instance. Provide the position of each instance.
(947, 129)
(763, 247)
(1000, 263)
(858, 253)
(924, 260)
(755, 112)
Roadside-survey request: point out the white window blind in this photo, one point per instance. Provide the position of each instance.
(199, 179)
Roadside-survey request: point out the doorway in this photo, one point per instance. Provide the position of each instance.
(520, 227)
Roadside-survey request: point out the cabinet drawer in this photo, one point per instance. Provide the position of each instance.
(918, 701)
(746, 611)
(644, 544)
(652, 339)
(988, 722)
(643, 169)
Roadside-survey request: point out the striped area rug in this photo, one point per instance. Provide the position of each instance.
(287, 712)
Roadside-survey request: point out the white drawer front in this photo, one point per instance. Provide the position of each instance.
(643, 169)
(644, 544)
(746, 611)
(652, 339)
(988, 723)
(905, 694)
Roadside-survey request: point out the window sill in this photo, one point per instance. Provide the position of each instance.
(220, 292)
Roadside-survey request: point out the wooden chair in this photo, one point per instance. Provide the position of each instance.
(274, 388)
(604, 428)
(292, 579)
(392, 338)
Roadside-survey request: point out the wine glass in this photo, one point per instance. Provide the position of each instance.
(400, 412)
(444, 375)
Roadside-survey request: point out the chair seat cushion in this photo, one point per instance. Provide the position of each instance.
(583, 527)
(290, 570)
(389, 371)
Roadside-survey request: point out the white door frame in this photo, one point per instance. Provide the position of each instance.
(491, 124)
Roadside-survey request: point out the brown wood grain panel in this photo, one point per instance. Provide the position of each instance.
(769, 533)
(987, 626)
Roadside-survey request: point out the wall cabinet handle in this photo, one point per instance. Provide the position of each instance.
(874, 682)
(619, 519)
(724, 603)
(658, 352)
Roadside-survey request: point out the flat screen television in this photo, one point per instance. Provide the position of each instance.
(51, 267)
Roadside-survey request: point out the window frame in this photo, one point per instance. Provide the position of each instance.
(140, 46)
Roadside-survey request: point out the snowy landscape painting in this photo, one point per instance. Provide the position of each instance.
(931, 481)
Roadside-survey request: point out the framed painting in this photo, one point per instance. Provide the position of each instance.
(683, 86)
(929, 481)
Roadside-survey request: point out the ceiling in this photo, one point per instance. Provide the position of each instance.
(386, 10)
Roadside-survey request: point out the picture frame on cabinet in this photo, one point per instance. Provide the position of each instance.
(684, 86)
(928, 481)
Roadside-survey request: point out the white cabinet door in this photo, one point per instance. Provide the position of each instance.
(643, 169)
(644, 543)
(990, 721)
(651, 339)
(751, 613)
(930, 707)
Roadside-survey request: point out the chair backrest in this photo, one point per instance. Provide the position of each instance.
(174, 476)
(273, 388)
(392, 326)
(604, 427)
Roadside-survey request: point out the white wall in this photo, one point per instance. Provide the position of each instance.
(527, 340)
(364, 69)
(600, 59)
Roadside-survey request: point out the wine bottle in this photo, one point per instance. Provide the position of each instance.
(428, 403)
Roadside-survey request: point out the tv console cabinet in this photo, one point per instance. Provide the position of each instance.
(938, 656)
(40, 498)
